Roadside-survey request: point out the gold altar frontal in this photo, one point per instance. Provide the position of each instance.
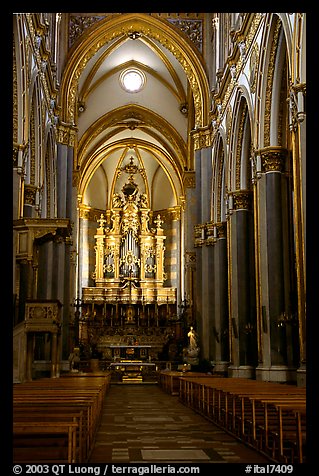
(133, 371)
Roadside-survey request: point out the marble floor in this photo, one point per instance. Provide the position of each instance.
(142, 424)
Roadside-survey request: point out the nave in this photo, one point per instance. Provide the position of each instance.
(143, 424)
(186, 417)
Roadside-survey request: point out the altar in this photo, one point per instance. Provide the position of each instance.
(133, 372)
(131, 352)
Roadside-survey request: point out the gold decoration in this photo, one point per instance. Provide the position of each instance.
(242, 199)
(273, 159)
(30, 194)
(253, 67)
(270, 78)
(199, 235)
(202, 138)
(66, 134)
(145, 25)
(221, 229)
(243, 115)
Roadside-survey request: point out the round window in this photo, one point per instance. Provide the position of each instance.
(132, 80)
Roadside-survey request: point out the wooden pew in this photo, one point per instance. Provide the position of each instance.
(42, 408)
(240, 406)
(28, 434)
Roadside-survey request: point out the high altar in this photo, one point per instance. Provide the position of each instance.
(129, 314)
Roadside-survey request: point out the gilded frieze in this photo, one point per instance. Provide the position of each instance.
(78, 24)
(229, 120)
(253, 67)
(32, 145)
(41, 55)
(240, 134)
(270, 79)
(88, 213)
(14, 96)
(220, 182)
(229, 83)
(192, 28)
(169, 214)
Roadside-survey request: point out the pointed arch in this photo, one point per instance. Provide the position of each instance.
(146, 25)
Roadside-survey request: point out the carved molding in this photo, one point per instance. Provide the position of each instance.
(202, 138)
(123, 26)
(66, 134)
(30, 192)
(221, 228)
(273, 159)
(242, 199)
(189, 180)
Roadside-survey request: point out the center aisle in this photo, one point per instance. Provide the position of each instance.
(143, 424)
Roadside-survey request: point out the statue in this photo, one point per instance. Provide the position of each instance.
(192, 339)
(192, 350)
(117, 201)
(74, 360)
(143, 200)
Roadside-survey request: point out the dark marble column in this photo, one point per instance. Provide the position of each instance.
(62, 248)
(220, 336)
(204, 255)
(243, 285)
(273, 165)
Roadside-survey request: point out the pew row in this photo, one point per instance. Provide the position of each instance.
(270, 417)
(55, 420)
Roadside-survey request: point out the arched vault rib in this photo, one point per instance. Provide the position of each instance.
(135, 117)
(99, 156)
(148, 26)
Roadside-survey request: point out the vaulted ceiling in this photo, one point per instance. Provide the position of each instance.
(148, 127)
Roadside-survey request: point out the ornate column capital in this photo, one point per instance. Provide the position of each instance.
(189, 180)
(221, 228)
(210, 233)
(199, 235)
(273, 158)
(190, 258)
(297, 98)
(202, 137)
(242, 199)
(66, 134)
(30, 192)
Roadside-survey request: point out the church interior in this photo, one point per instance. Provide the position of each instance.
(159, 216)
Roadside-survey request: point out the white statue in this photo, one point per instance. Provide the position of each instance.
(192, 339)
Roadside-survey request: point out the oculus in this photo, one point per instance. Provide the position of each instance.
(132, 80)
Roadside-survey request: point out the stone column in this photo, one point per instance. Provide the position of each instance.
(243, 299)
(297, 126)
(220, 333)
(274, 265)
(204, 254)
(63, 250)
(190, 217)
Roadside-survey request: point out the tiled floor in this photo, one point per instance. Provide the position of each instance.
(143, 424)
